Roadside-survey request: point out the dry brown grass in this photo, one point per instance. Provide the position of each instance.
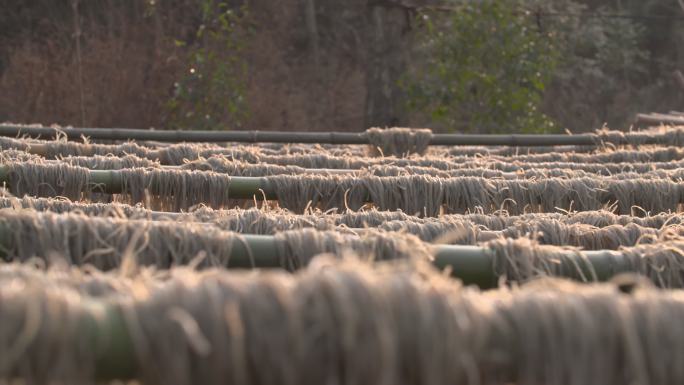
(126, 80)
(129, 71)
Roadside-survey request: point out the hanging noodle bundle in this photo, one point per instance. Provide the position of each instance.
(672, 136)
(43, 179)
(109, 162)
(224, 165)
(104, 242)
(429, 196)
(399, 141)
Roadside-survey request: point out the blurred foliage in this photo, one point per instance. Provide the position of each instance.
(604, 64)
(212, 94)
(527, 66)
(486, 68)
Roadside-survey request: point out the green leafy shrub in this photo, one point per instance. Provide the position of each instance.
(486, 67)
(534, 66)
(212, 94)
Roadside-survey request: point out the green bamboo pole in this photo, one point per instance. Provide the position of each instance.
(112, 182)
(112, 346)
(295, 137)
(4, 175)
(474, 265)
(106, 181)
(471, 264)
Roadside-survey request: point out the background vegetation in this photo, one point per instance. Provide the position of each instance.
(486, 66)
(211, 93)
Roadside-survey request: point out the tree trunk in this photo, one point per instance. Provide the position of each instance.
(385, 65)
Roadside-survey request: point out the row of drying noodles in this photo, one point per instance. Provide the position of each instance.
(590, 230)
(256, 218)
(424, 195)
(247, 161)
(209, 238)
(96, 290)
(108, 243)
(491, 170)
(179, 189)
(485, 167)
(396, 142)
(334, 322)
